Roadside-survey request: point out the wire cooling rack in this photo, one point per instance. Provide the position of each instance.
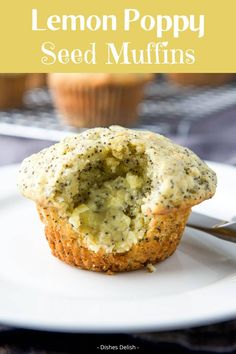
(166, 109)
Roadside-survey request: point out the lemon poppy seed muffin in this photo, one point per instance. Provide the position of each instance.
(114, 199)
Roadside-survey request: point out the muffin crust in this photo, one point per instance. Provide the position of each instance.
(115, 199)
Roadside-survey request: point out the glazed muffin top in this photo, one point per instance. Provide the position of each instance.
(98, 78)
(174, 177)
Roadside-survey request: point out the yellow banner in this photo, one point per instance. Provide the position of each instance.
(118, 36)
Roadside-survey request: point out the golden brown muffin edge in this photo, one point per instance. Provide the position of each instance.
(161, 241)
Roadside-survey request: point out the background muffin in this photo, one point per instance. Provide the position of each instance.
(12, 89)
(89, 100)
(36, 81)
(200, 79)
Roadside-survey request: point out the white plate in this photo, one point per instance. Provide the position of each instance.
(197, 285)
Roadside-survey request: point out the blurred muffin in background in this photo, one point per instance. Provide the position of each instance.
(91, 99)
(12, 89)
(200, 79)
(36, 81)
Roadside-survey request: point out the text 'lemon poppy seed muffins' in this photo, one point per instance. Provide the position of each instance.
(114, 199)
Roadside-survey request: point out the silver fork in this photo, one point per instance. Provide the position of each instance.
(225, 230)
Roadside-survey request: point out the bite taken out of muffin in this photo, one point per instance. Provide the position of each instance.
(115, 199)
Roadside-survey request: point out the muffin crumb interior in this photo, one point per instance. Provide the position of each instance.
(107, 209)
